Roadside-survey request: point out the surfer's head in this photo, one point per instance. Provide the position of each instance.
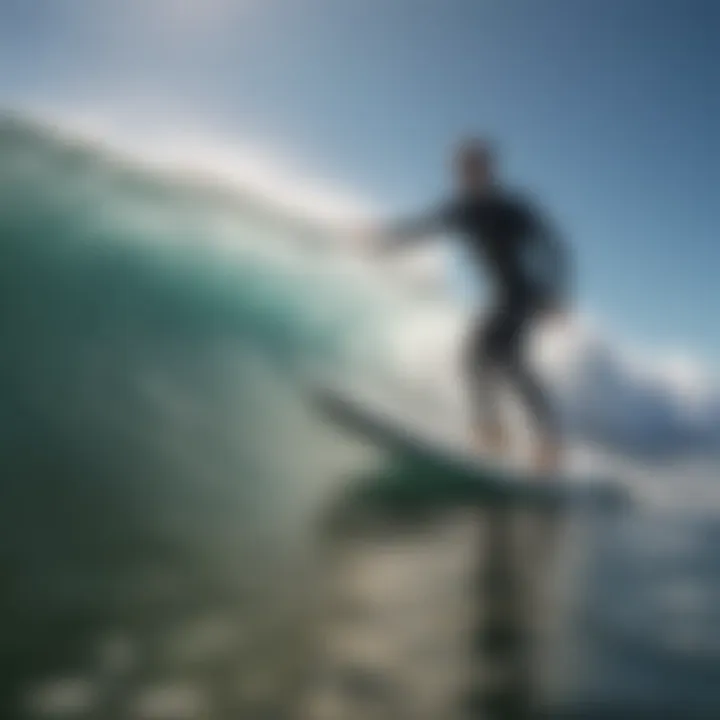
(474, 164)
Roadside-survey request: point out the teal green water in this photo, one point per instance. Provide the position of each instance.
(158, 460)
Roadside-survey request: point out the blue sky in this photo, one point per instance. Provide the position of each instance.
(608, 111)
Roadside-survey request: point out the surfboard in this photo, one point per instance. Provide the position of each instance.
(447, 457)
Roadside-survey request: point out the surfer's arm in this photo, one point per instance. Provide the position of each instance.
(554, 256)
(416, 229)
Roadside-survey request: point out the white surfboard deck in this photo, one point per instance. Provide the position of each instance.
(440, 444)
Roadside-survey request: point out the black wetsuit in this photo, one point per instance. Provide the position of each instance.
(508, 239)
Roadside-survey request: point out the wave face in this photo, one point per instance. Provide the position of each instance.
(155, 446)
(142, 309)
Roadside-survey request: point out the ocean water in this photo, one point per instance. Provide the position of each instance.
(183, 536)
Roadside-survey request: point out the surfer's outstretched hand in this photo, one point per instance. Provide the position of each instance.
(369, 240)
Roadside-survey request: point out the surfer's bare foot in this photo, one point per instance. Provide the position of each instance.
(547, 457)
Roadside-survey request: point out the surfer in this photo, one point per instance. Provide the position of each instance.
(510, 240)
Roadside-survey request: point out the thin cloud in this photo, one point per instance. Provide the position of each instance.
(184, 19)
(156, 20)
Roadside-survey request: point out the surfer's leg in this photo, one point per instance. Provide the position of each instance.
(483, 379)
(532, 393)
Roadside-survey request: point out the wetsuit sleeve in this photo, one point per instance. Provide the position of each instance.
(551, 253)
(411, 230)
